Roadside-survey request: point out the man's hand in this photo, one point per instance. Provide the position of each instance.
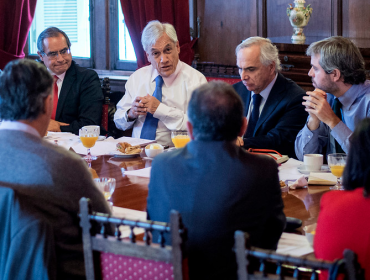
(319, 110)
(137, 108)
(239, 141)
(151, 103)
(54, 126)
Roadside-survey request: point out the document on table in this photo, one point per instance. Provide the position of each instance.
(62, 139)
(294, 245)
(145, 172)
(129, 214)
(289, 171)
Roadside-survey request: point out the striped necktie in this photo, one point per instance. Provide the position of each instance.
(150, 125)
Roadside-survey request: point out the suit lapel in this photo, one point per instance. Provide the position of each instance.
(272, 101)
(69, 79)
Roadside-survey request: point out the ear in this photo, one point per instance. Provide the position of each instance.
(178, 47)
(273, 67)
(48, 104)
(243, 129)
(40, 55)
(336, 76)
(189, 126)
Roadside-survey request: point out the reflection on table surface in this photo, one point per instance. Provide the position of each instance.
(132, 191)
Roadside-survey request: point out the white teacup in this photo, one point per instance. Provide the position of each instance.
(313, 162)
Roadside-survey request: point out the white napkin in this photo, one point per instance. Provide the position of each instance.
(145, 172)
(301, 182)
(289, 171)
(322, 179)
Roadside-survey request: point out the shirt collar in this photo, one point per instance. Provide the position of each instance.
(266, 92)
(61, 76)
(167, 80)
(15, 125)
(350, 96)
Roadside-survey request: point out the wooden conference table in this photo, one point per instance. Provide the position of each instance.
(132, 191)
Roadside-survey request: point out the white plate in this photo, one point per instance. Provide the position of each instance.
(101, 138)
(122, 155)
(324, 168)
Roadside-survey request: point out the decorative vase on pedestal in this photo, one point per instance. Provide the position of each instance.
(299, 17)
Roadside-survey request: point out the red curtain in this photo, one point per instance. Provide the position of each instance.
(15, 21)
(139, 12)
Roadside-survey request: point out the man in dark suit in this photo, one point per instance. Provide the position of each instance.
(217, 186)
(78, 98)
(279, 114)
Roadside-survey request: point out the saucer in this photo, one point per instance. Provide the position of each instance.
(324, 169)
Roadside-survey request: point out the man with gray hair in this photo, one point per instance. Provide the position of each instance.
(338, 69)
(157, 96)
(273, 105)
(217, 186)
(51, 179)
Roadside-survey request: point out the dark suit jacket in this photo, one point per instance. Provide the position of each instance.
(80, 101)
(282, 117)
(218, 188)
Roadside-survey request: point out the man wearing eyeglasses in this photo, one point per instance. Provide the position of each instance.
(78, 97)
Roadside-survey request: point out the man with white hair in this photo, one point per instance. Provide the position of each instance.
(273, 103)
(157, 96)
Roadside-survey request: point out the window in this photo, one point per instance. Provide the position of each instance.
(71, 16)
(126, 49)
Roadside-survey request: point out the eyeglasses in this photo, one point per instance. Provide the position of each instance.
(62, 52)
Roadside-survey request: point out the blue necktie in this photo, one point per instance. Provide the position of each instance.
(253, 119)
(150, 125)
(337, 108)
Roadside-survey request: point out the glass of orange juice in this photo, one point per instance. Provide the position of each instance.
(180, 138)
(88, 137)
(337, 162)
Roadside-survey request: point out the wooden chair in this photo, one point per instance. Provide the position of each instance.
(277, 266)
(122, 257)
(105, 86)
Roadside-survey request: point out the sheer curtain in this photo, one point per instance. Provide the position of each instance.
(15, 21)
(139, 12)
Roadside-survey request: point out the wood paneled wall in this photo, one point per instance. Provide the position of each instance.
(224, 23)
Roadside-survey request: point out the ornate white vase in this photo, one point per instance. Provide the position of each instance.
(299, 17)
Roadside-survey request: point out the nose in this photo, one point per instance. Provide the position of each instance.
(59, 57)
(311, 72)
(164, 58)
(244, 75)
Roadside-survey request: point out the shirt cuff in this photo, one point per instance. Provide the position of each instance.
(162, 111)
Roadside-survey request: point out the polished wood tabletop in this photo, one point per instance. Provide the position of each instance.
(132, 191)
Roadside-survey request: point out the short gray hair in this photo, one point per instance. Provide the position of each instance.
(269, 52)
(154, 30)
(340, 53)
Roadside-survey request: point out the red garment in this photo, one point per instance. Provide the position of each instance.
(55, 97)
(344, 223)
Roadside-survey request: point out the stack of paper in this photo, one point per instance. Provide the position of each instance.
(326, 179)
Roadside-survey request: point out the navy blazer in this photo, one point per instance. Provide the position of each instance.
(282, 117)
(80, 100)
(218, 188)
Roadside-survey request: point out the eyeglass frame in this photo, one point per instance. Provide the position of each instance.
(53, 55)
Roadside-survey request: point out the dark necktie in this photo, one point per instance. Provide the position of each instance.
(337, 108)
(55, 97)
(253, 119)
(150, 125)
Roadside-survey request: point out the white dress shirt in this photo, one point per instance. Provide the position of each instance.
(176, 93)
(14, 125)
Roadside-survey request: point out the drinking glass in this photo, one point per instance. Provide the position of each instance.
(106, 186)
(337, 162)
(88, 137)
(180, 138)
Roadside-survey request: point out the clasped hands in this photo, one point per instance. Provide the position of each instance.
(143, 105)
(319, 109)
